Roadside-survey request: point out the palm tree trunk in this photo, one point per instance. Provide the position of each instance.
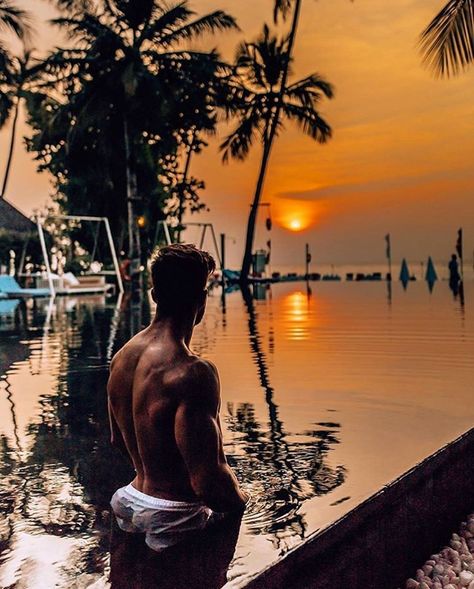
(247, 261)
(12, 148)
(268, 142)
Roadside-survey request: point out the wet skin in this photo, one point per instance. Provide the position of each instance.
(164, 406)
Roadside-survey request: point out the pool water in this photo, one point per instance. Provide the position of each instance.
(329, 392)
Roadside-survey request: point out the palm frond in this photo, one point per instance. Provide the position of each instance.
(313, 84)
(15, 20)
(447, 43)
(134, 14)
(5, 60)
(168, 20)
(282, 7)
(74, 6)
(6, 105)
(264, 61)
(210, 23)
(87, 26)
(308, 119)
(238, 143)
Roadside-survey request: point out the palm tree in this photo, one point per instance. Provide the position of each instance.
(261, 99)
(18, 22)
(14, 20)
(447, 43)
(20, 75)
(130, 69)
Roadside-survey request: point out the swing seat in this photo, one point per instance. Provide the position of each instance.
(68, 284)
(10, 287)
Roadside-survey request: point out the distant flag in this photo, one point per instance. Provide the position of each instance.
(308, 259)
(388, 251)
(459, 243)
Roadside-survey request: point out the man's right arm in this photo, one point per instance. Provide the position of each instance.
(199, 440)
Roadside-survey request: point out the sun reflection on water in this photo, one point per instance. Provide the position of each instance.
(296, 308)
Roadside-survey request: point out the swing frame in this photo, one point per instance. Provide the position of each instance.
(116, 272)
(204, 226)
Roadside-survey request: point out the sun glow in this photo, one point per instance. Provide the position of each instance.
(295, 225)
(295, 215)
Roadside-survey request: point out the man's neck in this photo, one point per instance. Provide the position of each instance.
(180, 330)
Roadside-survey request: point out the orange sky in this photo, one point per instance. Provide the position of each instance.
(400, 159)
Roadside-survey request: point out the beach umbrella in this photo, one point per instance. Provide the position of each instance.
(430, 275)
(404, 273)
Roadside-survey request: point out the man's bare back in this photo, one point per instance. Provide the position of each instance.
(164, 406)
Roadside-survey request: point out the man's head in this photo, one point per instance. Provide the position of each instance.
(179, 274)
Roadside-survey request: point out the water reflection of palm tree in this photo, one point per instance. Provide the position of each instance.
(61, 487)
(299, 466)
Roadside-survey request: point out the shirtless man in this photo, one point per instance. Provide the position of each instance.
(164, 406)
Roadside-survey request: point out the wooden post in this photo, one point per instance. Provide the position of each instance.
(388, 253)
(307, 260)
(222, 251)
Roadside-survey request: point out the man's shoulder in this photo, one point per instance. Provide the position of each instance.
(198, 379)
(197, 369)
(129, 351)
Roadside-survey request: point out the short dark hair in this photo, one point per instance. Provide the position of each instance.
(179, 274)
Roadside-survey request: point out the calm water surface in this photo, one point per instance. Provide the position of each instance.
(328, 393)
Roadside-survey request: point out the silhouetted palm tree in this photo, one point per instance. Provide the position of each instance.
(261, 98)
(15, 20)
(129, 65)
(18, 22)
(20, 75)
(447, 43)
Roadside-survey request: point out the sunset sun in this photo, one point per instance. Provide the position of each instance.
(295, 225)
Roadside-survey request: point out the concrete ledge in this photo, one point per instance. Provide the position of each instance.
(381, 542)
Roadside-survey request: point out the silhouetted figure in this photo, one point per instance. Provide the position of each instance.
(454, 276)
(164, 404)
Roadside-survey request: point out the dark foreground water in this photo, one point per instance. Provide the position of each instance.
(327, 395)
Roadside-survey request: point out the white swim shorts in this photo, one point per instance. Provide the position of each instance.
(164, 522)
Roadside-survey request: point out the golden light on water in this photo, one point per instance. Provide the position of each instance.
(297, 316)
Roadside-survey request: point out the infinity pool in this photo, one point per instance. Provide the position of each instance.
(329, 392)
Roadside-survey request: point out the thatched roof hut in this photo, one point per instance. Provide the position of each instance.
(16, 232)
(14, 221)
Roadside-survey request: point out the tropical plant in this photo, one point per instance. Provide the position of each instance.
(447, 43)
(18, 85)
(16, 21)
(261, 100)
(130, 93)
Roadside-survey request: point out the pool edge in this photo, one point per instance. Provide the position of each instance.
(360, 551)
